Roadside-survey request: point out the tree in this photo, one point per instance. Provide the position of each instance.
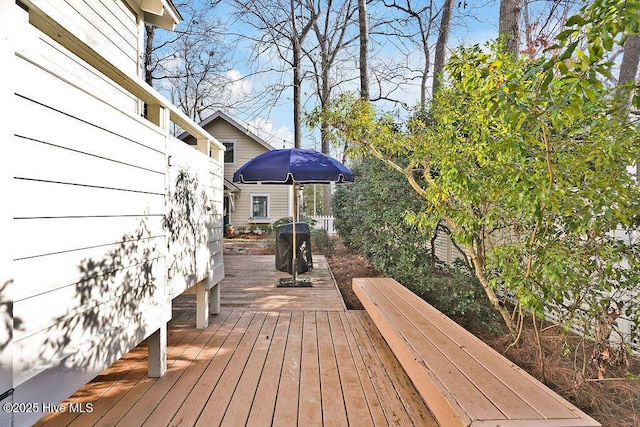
(333, 36)
(441, 45)
(415, 25)
(191, 63)
(534, 190)
(543, 21)
(509, 24)
(629, 65)
(282, 27)
(195, 74)
(363, 25)
(375, 201)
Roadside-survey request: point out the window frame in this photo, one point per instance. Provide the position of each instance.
(234, 142)
(253, 218)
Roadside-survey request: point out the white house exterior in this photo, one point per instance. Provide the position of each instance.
(246, 205)
(95, 240)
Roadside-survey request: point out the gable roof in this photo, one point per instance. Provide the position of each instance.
(220, 115)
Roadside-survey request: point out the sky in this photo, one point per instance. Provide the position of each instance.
(274, 121)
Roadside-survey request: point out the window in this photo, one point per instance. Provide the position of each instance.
(259, 206)
(230, 154)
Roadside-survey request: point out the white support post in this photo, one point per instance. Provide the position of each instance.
(157, 352)
(203, 146)
(214, 299)
(202, 305)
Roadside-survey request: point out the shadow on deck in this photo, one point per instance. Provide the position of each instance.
(273, 356)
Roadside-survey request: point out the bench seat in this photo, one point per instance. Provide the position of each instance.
(462, 380)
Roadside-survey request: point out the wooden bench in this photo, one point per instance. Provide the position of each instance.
(462, 380)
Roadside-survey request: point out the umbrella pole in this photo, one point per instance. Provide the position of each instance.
(294, 261)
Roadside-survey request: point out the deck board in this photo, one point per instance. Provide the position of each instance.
(245, 391)
(169, 403)
(190, 411)
(333, 406)
(252, 287)
(262, 409)
(352, 389)
(310, 409)
(259, 365)
(388, 377)
(219, 400)
(286, 410)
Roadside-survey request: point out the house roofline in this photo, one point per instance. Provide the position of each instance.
(221, 115)
(159, 13)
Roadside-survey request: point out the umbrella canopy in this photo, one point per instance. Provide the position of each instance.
(293, 165)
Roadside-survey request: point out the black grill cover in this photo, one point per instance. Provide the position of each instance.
(284, 247)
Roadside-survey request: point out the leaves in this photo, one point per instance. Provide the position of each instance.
(527, 164)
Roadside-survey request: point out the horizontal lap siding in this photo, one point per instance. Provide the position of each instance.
(89, 259)
(247, 149)
(215, 232)
(69, 66)
(278, 203)
(445, 250)
(197, 245)
(10, 17)
(106, 26)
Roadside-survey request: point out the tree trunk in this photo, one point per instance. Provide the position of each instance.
(509, 24)
(493, 299)
(441, 45)
(629, 73)
(364, 49)
(297, 104)
(629, 64)
(148, 50)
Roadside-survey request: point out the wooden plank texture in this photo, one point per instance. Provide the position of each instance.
(259, 368)
(464, 381)
(258, 291)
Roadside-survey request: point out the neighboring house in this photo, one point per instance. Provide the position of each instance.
(97, 234)
(245, 205)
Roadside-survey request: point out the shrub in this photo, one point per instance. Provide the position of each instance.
(321, 242)
(369, 217)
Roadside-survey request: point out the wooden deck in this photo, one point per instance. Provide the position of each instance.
(273, 356)
(250, 280)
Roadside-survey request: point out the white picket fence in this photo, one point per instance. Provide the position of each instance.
(324, 222)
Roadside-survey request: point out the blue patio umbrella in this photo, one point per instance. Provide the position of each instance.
(293, 166)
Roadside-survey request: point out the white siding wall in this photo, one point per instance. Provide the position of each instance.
(246, 149)
(11, 19)
(445, 251)
(89, 264)
(108, 27)
(84, 240)
(195, 255)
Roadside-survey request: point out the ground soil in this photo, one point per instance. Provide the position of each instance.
(613, 401)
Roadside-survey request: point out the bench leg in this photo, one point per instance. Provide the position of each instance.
(202, 305)
(157, 352)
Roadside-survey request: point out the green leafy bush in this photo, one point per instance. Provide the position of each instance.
(321, 242)
(369, 217)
